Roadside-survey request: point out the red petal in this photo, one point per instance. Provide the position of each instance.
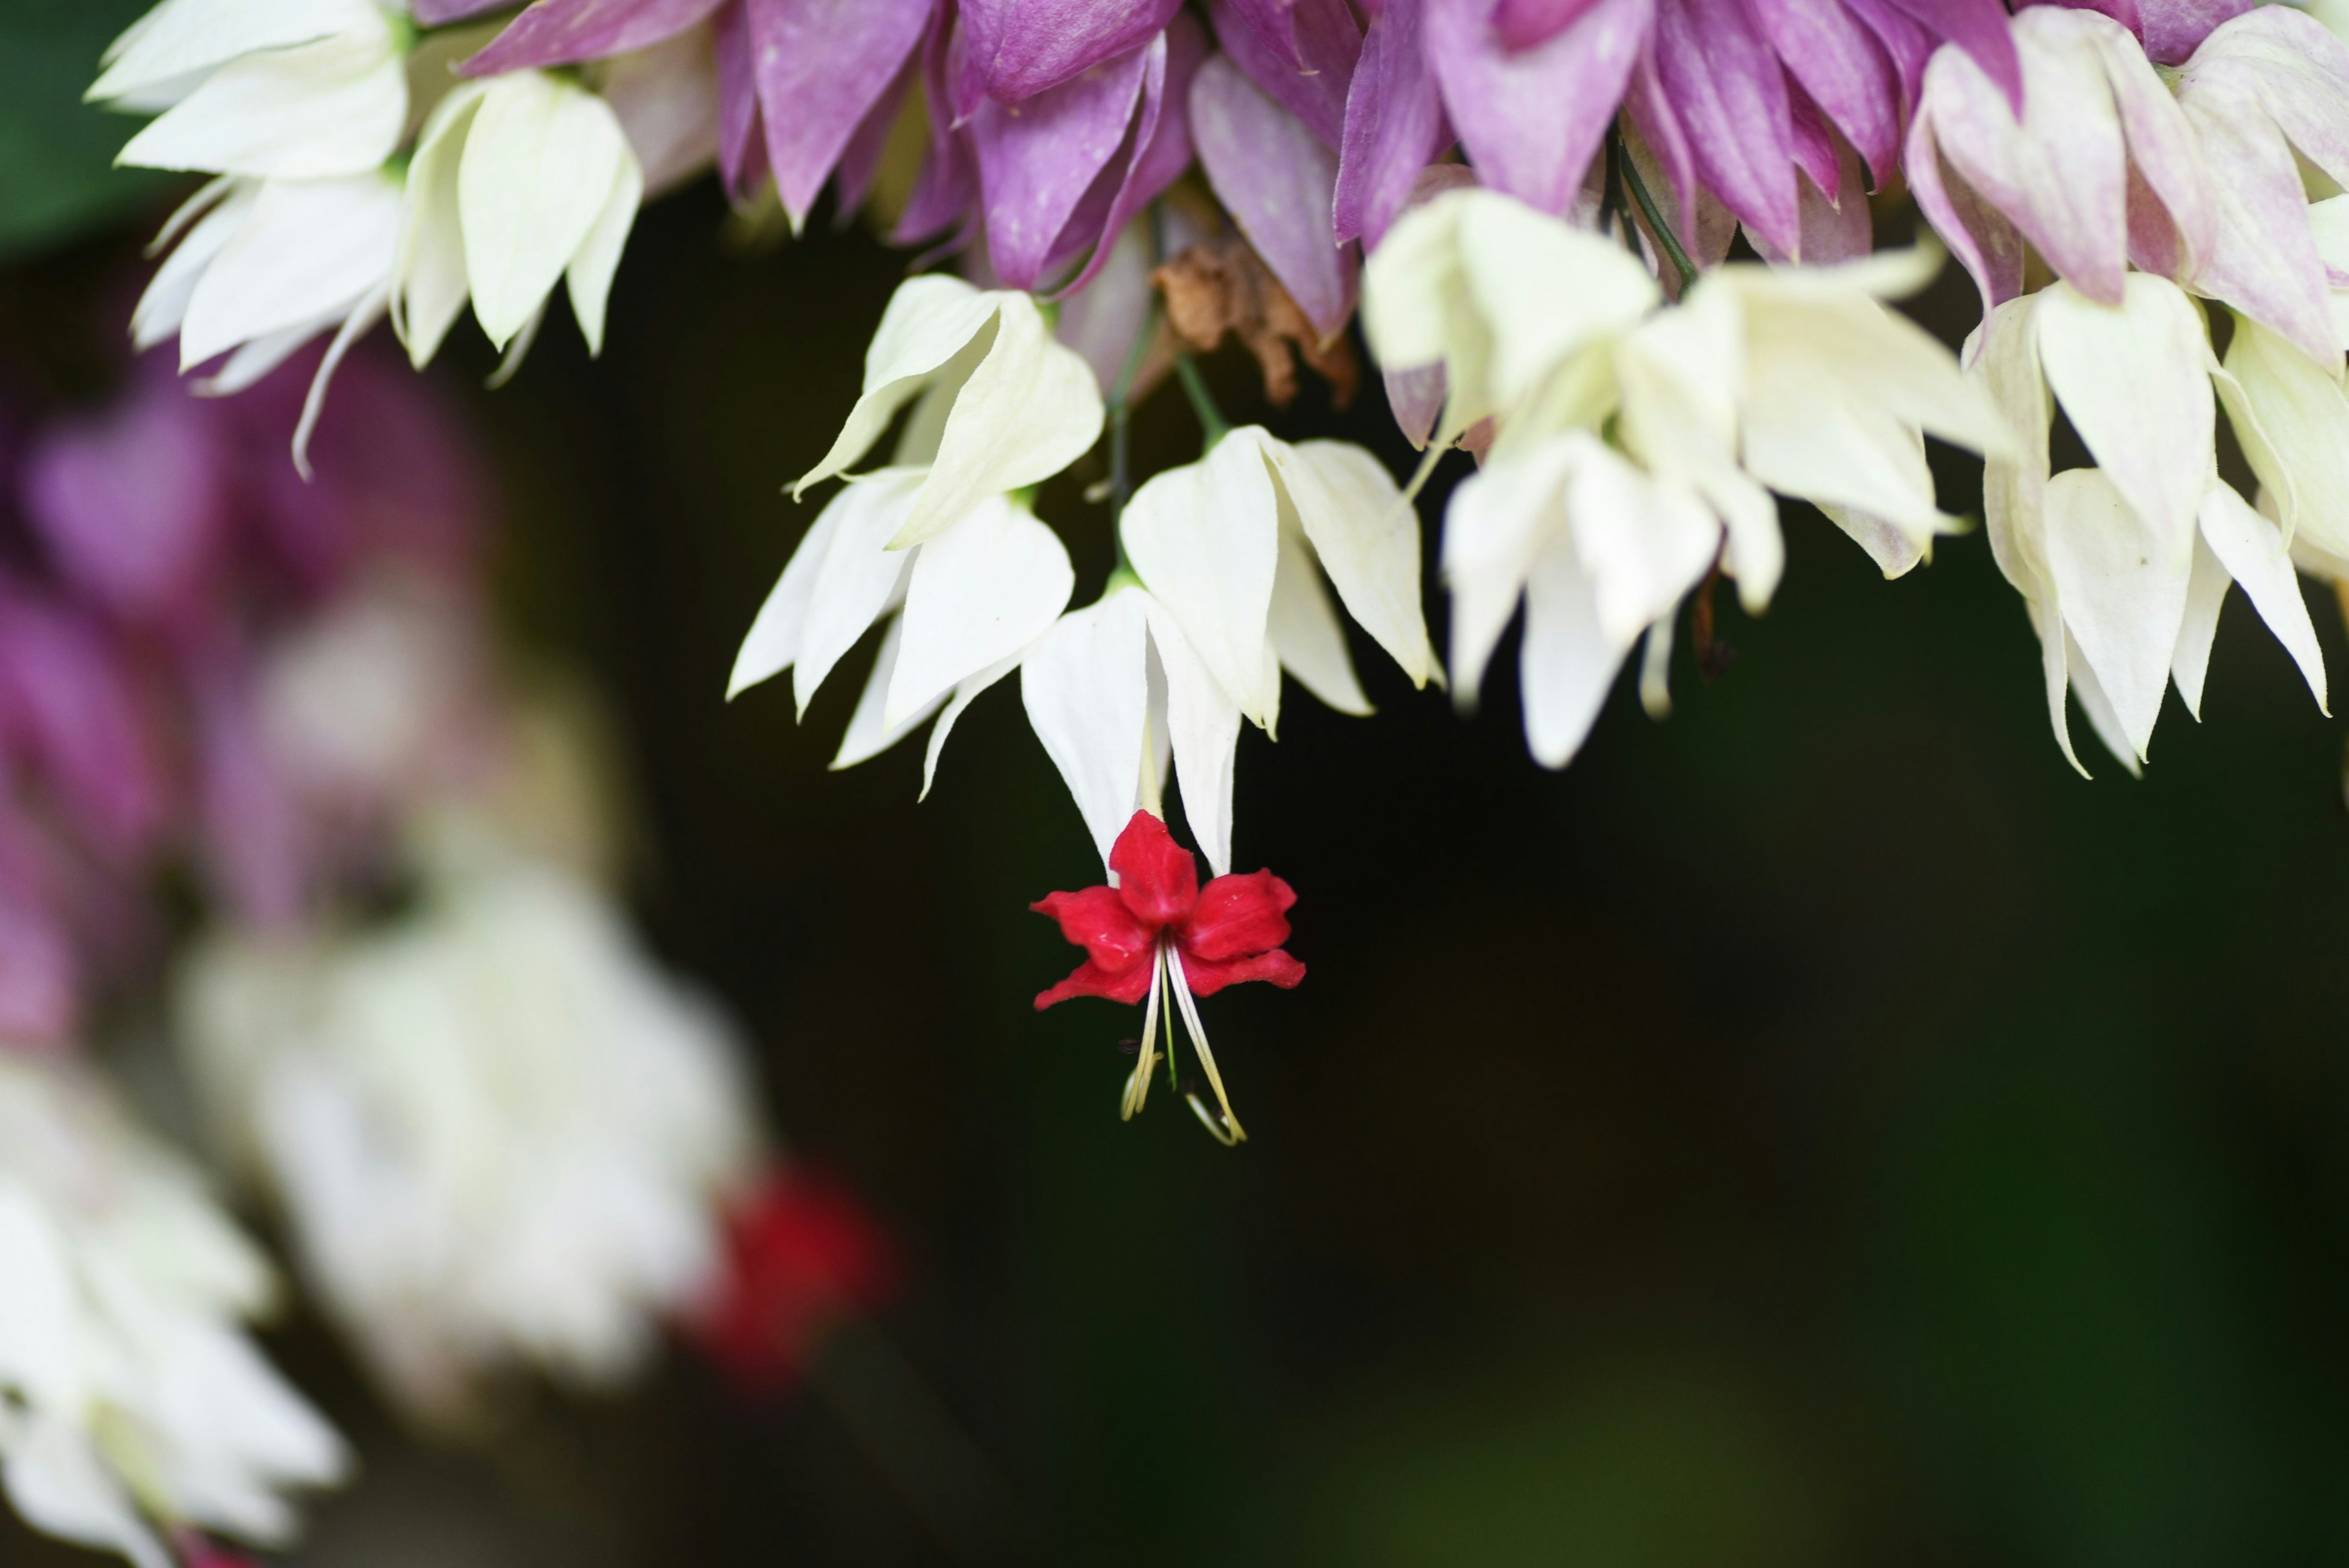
(1128, 985)
(801, 1252)
(1155, 876)
(1238, 915)
(1205, 976)
(1097, 920)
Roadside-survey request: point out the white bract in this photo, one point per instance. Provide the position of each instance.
(2125, 566)
(290, 89)
(132, 1402)
(1002, 405)
(497, 1130)
(973, 598)
(1634, 443)
(1229, 546)
(518, 184)
(263, 266)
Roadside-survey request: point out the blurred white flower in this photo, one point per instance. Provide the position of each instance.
(497, 1129)
(519, 183)
(132, 1402)
(293, 90)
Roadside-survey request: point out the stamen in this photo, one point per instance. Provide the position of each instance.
(1231, 1133)
(1137, 1082)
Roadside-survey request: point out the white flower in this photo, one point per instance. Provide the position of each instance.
(974, 597)
(1115, 691)
(272, 89)
(265, 266)
(519, 183)
(496, 1129)
(131, 1400)
(1002, 406)
(1228, 546)
(2125, 566)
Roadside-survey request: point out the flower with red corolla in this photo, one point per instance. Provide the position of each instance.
(801, 1253)
(1157, 931)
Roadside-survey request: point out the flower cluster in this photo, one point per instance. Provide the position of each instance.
(1623, 251)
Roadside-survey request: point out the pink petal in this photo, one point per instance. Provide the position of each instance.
(68, 706)
(1729, 93)
(255, 846)
(2174, 29)
(1309, 70)
(1659, 126)
(1905, 42)
(1533, 120)
(1277, 181)
(2262, 258)
(1394, 125)
(2294, 68)
(821, 66)
(1018, 48)
(1978, 234)
(564, 32)
(1845, 71)
(1814, 141)
(1522, 24)
(2172, 212)
(132, 504)
(945, 190)
(1415, 397)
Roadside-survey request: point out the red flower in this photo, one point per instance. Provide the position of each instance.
(1158, 930)
(801, 1253)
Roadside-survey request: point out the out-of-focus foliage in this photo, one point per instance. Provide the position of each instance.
(58, 178)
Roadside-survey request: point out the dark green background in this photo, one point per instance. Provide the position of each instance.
(1820, 1129)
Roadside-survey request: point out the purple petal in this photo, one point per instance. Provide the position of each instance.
(860, 160)
(1163, 131)
(1329, 42)
(1532, 122)
(2174, 29)
(440, 12)
(132, 504)
(1979, 27)
(1277, 180)
(1020, 47)
(822, 65)
(2172, 208)
(741, 149)
(1522, 24)
(1037, 158)
(2262, 258)
(1846, 72)
(946, 189)
(1394, 125)
(1832, 232)
(1814, 141)
(1905, 43)
(68, 706)
(1726, 86)
(1415, 397)
(1978, 234)
(564, 32)
(255, 846)
(1658, 126)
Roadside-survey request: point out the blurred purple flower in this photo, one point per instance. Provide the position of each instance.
(1394, 125)
(70, 711)
(1277, 180)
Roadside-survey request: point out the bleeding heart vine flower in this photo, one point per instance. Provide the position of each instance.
(1156, 933)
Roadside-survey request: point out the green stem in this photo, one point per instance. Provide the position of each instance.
(1213, 426)
(1656, 225)
(1121, 420)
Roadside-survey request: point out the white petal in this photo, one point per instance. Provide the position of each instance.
(1895, 550)
(1086, 687)
(869, 731)
(181, 38)
(256, 358)
(1497, 523)
(2205, 596)
(929, 320)
(779, 629)
(163, 307)
(1306, 636)
(2054, 644)
(980, 592)
(2002, 359)
(61, 1487)
(334, 107)
(1367, 536)
(1567, 663)
(37, 1308)
(589, 275)
(963, 696)
(1204, 539)
(2135, 381)
(859, 578)
(1544, 286)
(307, 251)
(2099, 707)
(2303, 420)
(1029, 409)
(1641, 545)
(2251, 548)
(1203, 731)
(430, 277)
(2123, 592)
(540, 166)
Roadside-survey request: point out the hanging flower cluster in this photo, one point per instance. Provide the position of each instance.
(1623, 251)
